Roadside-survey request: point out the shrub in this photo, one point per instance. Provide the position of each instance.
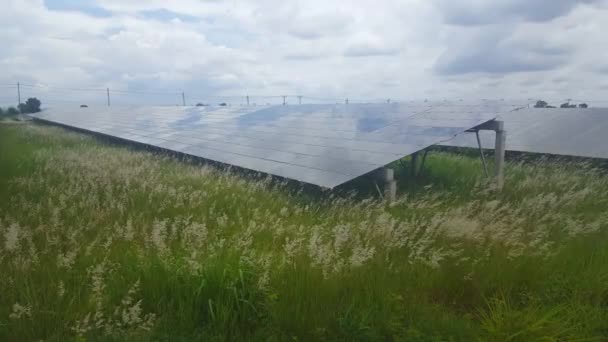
(32, 105)
(12, 111)
(1, 112)
(567, 105)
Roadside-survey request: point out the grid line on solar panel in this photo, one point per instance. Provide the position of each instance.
(268, 135)
(271, 167)
(330, 142)
(290, 157)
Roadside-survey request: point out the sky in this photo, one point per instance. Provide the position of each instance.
(72, 50)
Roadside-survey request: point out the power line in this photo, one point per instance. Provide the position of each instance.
(72, 89)
(61, 92)
(243, 96)
(53, 88)
(322, 99)
(144, 92)
(94, 89)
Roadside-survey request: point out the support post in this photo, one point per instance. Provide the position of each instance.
(284, 100)
(387, 176)
(481, 155)
(108, 94)
(499, 148)
(18, 93)
(183, 99)
(300, 99)
(247, 100)
(499, 154)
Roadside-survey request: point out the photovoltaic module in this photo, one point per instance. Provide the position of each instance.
(320, 144)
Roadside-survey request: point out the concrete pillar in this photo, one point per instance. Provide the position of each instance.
(499, 154)
(387, 176)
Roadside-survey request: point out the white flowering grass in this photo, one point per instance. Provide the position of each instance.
(104, 242)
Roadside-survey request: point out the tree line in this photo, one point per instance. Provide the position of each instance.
(544, 104)
(32, 105)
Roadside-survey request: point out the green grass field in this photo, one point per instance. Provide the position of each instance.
(104, 242)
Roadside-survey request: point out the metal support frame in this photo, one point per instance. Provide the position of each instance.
(499, 148)
(387, 175)
(481, 155)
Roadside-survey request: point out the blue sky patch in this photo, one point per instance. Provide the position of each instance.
(85, 6)
(166, 15)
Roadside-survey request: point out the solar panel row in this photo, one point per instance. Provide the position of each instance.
(325, 145)
(559, 131)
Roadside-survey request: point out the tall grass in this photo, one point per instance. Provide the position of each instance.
(102, 242)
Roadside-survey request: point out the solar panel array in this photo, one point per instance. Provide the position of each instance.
(560, 131)
(325, 145)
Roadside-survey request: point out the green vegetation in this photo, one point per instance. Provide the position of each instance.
(32, 105)
(10, 111)
(103, 242)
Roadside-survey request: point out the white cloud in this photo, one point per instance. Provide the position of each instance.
(482, 12)
(384, 49)
(366, 45)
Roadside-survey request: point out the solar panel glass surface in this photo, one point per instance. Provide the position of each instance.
(325, 145)
(560, 131)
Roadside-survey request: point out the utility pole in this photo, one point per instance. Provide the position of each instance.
(346, 101)
(108, 94)
(284, 100)
(299, 99)
(18, 93)
(247, 100)
(183, 99)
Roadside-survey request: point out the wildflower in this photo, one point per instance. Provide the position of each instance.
(20, 311)
(12, 237)
(61, 289)
(360, 255)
